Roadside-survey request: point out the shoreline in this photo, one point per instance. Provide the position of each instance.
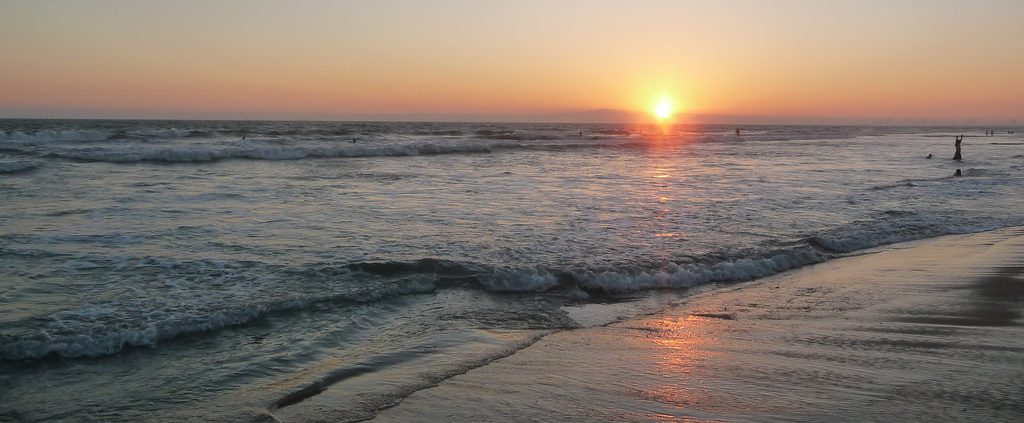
(927, 328)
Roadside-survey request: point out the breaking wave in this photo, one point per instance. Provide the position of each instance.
(129, 153)
(91, 332)
(85, 332)
(211, 141)
(55, 135)
(184, 154)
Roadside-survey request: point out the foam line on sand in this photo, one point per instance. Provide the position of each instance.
(930, 330)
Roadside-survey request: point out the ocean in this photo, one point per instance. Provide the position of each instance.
(170, 271)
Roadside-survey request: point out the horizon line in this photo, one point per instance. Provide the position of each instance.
(781, 122)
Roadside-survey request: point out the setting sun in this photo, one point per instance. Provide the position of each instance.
(663, 109)
(507, 189)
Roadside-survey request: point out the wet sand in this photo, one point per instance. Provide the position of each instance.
(928, 331)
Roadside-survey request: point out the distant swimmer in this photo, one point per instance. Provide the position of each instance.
(958, 173)
(737, 132)
(959, 140)
(581, 133)
(243, 137)
(929, 156)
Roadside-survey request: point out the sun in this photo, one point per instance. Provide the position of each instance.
(663, 109)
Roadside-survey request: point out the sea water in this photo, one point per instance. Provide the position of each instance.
(176, 270)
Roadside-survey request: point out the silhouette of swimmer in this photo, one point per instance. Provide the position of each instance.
(958, 173)
(959, 140)
(243, 137)
(929, 156)
(737, 132)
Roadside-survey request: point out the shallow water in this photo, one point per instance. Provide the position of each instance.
(173, 269)
(930, 329)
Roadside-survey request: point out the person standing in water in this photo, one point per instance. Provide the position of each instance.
(957, 156)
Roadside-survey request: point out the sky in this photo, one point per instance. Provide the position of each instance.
(774, 61)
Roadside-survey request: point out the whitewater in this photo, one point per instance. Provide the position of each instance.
(222, 270)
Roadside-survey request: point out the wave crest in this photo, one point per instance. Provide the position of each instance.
(18, 166)
(196, 153)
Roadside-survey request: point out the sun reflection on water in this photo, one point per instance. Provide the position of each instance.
(687, 340)
(683, 345)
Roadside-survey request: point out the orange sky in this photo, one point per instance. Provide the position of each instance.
(940, 60)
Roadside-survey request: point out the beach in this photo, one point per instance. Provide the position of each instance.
(168, 271)
(535, 211)
(928, 330)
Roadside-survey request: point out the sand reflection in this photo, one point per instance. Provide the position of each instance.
(683, 347)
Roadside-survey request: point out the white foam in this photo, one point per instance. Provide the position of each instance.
(853, 239)
(49, 136)
(676, 277)
(201, 153)
(185, 305)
